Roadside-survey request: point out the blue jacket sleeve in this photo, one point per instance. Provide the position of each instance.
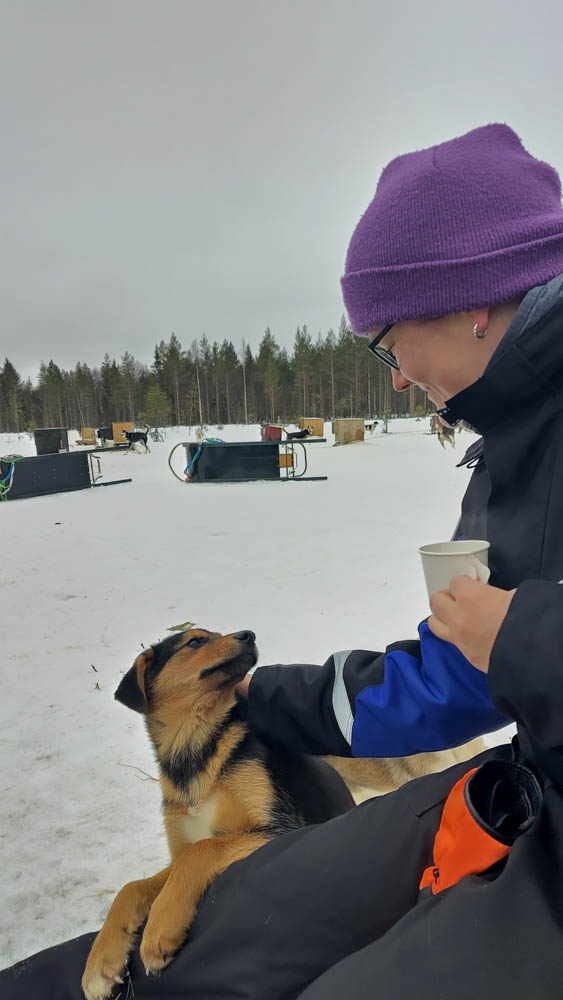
(416, 696)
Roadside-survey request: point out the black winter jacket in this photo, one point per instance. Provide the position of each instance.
(514, 499)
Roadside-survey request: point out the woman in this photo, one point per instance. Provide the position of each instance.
(451, 886)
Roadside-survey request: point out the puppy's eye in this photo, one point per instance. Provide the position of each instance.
(196, 641)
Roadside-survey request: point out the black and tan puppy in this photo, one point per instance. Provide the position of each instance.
(224, 793)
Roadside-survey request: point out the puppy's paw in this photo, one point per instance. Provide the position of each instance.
(105, 967)
(161, 940)
(98, 981)
(157, 951)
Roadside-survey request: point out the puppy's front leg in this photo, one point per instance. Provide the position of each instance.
(109, 953)
(172, 914)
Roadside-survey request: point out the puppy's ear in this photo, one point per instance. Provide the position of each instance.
(131, 690)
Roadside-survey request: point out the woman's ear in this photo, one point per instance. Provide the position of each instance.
(131, 691)
(480, 319)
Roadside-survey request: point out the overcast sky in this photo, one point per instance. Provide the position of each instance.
(199, 165)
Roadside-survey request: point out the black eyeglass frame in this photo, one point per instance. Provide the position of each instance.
(387, 357)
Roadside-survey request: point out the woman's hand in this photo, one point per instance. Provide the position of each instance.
(470, 615)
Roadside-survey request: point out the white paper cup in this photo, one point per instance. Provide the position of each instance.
(444, 560)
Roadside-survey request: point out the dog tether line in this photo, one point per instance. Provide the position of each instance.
(8, 479)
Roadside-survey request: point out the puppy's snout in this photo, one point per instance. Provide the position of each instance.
(247, 637)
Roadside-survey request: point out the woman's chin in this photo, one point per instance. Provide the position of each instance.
(439, 403)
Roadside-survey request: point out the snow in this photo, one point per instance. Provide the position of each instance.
(89, 577)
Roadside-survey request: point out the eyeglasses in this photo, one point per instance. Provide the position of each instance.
(380, 353)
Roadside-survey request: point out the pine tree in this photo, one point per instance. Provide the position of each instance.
(206, 374)
(195, 356)
(302, 359)
(51, 391)
(110, 375)
(228, 362)
(171, 358)
(157, 407)
(11, 402)
(128, 381)
(266, 373)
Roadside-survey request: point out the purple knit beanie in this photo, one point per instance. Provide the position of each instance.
(465, 224)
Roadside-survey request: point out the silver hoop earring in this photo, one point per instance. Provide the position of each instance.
(480, 336)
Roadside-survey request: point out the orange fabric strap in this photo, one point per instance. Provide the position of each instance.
(461, 847)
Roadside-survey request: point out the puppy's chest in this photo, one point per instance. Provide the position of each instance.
(200, 822)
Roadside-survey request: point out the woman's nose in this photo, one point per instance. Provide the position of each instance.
(400, 383)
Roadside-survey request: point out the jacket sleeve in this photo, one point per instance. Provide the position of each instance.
(526, 671)
(416, 696)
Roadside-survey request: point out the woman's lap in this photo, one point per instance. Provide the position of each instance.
(276, 921)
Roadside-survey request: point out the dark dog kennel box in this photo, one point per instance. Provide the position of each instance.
(51, 440)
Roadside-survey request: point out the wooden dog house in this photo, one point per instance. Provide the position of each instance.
(348, 429)
(271, 432)
(87, 436)
(317, 423)
(124, 425)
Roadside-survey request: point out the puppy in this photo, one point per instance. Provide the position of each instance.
(224, 794)
(367, 777)
(134, 436)
(298, 435)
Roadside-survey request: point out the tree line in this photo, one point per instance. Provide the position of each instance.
(211, 383)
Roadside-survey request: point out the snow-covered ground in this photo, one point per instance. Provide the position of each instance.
(88, 577)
